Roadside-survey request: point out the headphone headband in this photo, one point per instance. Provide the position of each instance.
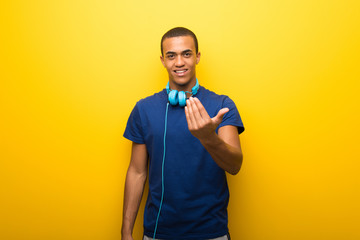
(194, 89)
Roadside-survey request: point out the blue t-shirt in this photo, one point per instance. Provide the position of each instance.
(196, 194)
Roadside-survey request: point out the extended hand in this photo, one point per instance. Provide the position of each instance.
(199, 122)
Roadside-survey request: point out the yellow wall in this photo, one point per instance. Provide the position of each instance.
(71, 71)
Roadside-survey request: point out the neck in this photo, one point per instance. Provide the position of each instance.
(186, 87)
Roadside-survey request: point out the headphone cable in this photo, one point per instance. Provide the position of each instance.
(162, 173)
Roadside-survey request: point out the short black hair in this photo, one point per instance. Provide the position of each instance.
(179, 32)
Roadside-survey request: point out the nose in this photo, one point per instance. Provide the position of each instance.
(179, 61)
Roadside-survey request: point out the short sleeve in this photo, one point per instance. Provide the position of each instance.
(232, 117)
(134, 130)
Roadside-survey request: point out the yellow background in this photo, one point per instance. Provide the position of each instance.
(71, 71)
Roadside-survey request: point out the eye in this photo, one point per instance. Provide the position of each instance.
(170, 56)
(187, 54)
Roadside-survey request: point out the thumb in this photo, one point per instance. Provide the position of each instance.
(218, 118)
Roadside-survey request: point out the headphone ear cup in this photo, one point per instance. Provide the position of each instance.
(182, 98)
(173, 97)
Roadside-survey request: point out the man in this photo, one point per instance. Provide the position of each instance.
(186, 151)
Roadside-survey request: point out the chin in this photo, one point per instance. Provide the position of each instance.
(181, 81)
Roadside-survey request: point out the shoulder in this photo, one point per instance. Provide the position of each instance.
(156, 98)
(214, 98)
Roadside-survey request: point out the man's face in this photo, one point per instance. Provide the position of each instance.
(180, 60)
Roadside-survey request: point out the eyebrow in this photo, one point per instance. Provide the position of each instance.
(185, 51)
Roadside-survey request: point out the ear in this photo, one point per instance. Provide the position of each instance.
(162, 60)
(198, 57)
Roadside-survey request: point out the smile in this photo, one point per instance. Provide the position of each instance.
(180, 72)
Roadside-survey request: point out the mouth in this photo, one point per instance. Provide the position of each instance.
(180, 72)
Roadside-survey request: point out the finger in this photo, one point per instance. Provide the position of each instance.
(197, 116)
(188, 117)
(218, 118)
(191, 114)
(201, 108)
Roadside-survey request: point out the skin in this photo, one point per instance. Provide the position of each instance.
(180, 54)
(224, 147)
(134, 187)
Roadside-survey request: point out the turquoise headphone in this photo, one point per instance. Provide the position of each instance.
(176, 96)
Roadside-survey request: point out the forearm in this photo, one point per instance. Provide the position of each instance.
(226, 156)
(134, 187)
(223, 147)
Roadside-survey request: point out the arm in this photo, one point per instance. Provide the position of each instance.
(223, 147)
(134, 187)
